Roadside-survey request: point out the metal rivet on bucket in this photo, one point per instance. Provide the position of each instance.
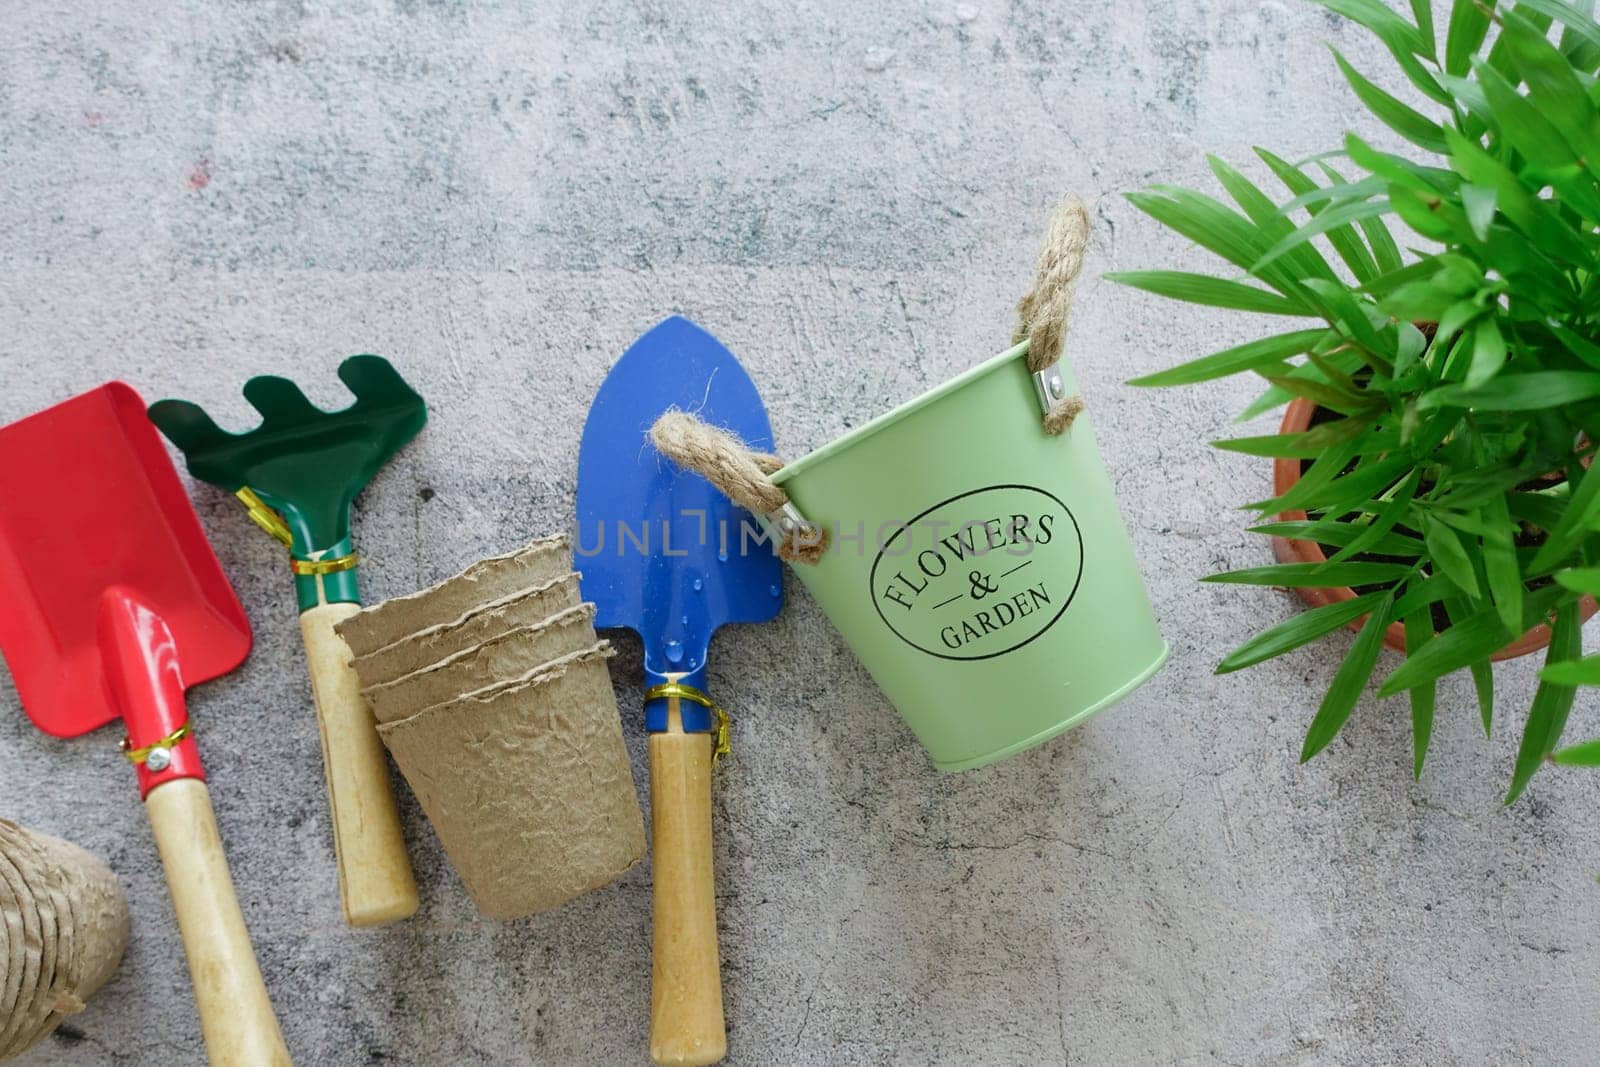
(1049, 387)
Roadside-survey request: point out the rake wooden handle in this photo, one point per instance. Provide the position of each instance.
(686, 1024)
(236, 1016)
(375, 880)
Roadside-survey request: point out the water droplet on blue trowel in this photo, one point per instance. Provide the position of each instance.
(674, 651)
(777, 590)
(722, 557)
(698, 585)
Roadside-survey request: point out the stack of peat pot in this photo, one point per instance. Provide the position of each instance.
(491, 692)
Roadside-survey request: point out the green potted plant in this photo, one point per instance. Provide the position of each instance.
(1433, 487)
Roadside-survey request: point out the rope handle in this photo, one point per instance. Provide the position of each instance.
(745, 474)
(1042, 312)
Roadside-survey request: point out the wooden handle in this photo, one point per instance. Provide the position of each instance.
(686, 1027)
(235, 1015)
(375, 880)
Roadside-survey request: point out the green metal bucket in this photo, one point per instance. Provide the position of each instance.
(977, 566)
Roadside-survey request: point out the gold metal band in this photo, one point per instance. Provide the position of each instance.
(264, 516)
(273, 523)
(722, 739)
(307, 568)
(139, 755)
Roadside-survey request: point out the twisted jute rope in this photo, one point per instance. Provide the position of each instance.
(745, 474)
(739, 471)
(1042, 313)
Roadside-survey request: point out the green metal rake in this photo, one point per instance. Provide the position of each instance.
(298, 473)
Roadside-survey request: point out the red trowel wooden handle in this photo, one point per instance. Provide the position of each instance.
(141, 661)
(236, 1016)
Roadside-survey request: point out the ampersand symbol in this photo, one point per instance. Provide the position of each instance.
(981, 586)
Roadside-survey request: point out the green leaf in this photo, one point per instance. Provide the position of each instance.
(1348, 683)
(1339, 494)
(1332, 395)
(1409, 353)
(1580, 22)
(1483, 683)
(1532, 391)
(1406, 121)
(1573, 672)
(1551, 703)
(1488, 354)
(1543, 510)
(1579, 519)
(1245, 357)
(1328, 532)
(1422, 11)
(1460, 609)
(1306, 262)
(1388, 26)
(1469, 21)
(1449, 557)
(1384, 517)
(1385, 253)
(1212, 225)
(1468, 95)
(1204, 221)
(1314, 575)
(1357, 317)
(1580, 38)
(1397, 169)
(1343, 238)
(1521, 124)
(1580, 346)
(1584, 755)
(1419, 631)
(1553, 88)
(1269, 399)
(1500, 562)
(1478, 201)
(1580, 580)
(1429, 214)
(1424, 593)
(1204, 289)
(1400, 277)
(1318, 224)
(1469, 641)
(1456, 318)
(1301, 629)
(1527, 212)
(1313, 197)
(1312, 443)
(1404, 41)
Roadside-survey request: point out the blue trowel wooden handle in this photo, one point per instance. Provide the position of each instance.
(686, 1023)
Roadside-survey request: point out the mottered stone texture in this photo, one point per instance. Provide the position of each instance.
(500, 197)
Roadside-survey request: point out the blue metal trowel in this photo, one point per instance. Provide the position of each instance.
(667, 555)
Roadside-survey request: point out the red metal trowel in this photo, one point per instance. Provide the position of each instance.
(114, 603)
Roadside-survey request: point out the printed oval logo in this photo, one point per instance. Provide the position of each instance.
(980, 574)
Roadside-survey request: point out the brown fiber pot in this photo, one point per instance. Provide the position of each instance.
(1285, 472)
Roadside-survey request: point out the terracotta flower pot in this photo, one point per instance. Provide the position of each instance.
(1285, 472)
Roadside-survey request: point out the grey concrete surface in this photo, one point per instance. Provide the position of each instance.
(500, 197)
